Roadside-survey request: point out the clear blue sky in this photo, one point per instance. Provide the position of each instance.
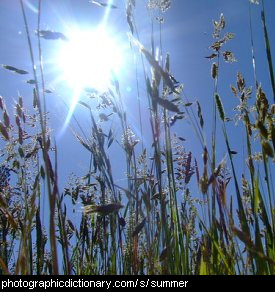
(186, 36)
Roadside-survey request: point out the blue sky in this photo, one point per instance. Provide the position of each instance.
(187, 34)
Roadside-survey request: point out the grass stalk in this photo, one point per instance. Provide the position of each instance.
(268, 51)
(51, 194)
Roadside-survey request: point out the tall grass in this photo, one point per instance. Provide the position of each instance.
(155, 223)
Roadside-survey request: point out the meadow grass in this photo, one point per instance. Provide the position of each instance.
(155, 223)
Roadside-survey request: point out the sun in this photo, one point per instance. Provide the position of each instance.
(88, 59)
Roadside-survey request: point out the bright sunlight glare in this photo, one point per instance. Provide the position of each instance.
(88, 59)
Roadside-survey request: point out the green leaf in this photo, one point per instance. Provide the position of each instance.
(267, 149)
(102, 4)
(52, 35)
(16, 70)
(167, 104)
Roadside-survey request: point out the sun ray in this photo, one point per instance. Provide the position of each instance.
(107, 12)
(74, 101)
